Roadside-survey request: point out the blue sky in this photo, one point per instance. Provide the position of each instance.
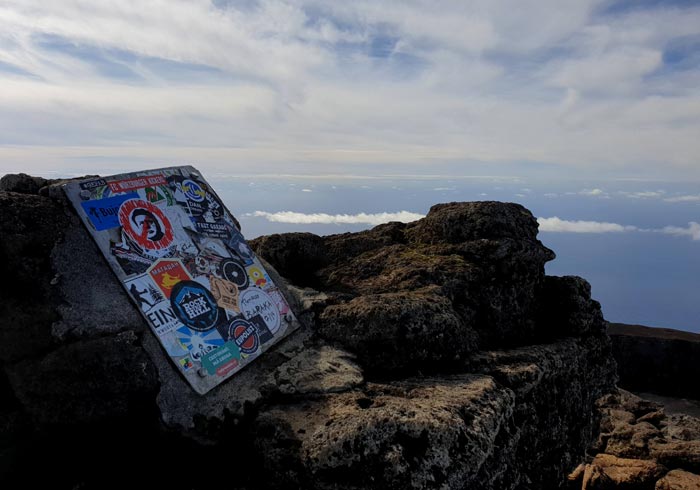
(586, 111)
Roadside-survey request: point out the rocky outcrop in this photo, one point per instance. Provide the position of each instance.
(638, 445)
(434, 354)
(657, 360)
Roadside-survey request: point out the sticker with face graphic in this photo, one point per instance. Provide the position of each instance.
(145, 224)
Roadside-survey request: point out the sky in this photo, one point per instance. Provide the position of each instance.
(353, 113)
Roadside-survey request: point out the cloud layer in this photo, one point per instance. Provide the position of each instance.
(558, 225)
(546, 225)
(345, 219)
(579, 83)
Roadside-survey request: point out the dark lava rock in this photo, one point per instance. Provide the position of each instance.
(657, 360)
(434, 354)
(481, 262)
(22, 183)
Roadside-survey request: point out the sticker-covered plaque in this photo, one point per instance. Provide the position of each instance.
(183, 261)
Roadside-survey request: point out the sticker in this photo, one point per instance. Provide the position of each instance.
(166, 273)
(278, 298)
(159, 194)
(222, 360)
(254, 301)
(146, 224)
(194, 305)
(93, 184)
(151, 301)
(225, 293)
(186, 364)
(136, 183)
(104, 213)
(237, 244)
(263, 332)
(131, 261)
(257, 276)
(193, 191)
(214, 230)
(199, 344)
(245, 335)
(235, 272)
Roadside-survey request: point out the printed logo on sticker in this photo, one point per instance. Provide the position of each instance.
(193, 191)
(234, 272)
(225, 293)
(254, 302)
(146, 224)
(199, 343)
(151, 301)
(257, 276)
(93, 184)
(104, 213)
(166, 273)
(137, 183)
(244, 335)
(194, 305)
(186, 364)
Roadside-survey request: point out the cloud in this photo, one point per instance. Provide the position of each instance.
(592, 192)
(692, 230)
(345, 219)
(687, 198)
(643, 194)
(364, 84)
(558, 225)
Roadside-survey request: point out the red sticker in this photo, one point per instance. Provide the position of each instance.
(146, 224)
(227, 368)
(168, 272)
(137, 183)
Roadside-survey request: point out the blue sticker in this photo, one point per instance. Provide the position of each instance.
(193, 190)
(104, 213)
(194, 305)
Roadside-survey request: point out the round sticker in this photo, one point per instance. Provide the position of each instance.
(145, 224)
(235, 272)
(193, 190)
(194, 305)
(255, 301)
(244, 335)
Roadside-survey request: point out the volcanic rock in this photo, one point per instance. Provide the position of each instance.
(434, 354)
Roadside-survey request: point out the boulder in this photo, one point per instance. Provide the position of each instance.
(679, 480)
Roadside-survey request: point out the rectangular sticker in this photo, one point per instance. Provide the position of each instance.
(104, 213)
(136, 183)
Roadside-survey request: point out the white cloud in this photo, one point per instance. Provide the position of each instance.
(592, 192)
(643, 194)
(323, 218)
(285, 81)
(692, 230)
(558, 225)
(686, 198)
(306, 190)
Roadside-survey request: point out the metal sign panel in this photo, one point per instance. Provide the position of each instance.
(183, 261)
